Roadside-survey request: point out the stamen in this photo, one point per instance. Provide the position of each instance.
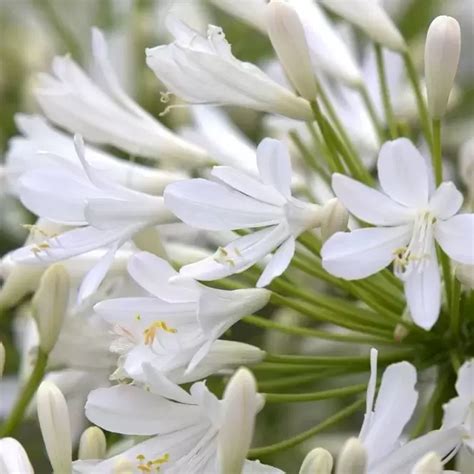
(150, 332)
(151, 465)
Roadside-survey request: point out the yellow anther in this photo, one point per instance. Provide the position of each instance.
(138, 317)
(40, 247)
(150, 332)
(144, 468)
(152, 465)
(140, 457)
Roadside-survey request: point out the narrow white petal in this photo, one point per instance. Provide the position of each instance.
(370, 397)
(278, 263)
(465, 381)
(13, 458)
(369, 204)
(403, 174)
(446, 201)
(456, 237)
(455, 412)
(363, 252)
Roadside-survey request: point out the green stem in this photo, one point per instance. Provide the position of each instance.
(387, 104)
(455, 307)
(314, 396)
(436, 152)
(422, 109)
(446, 267)
(18, 411)
(292, 381)
(371, 110)
(295, 440)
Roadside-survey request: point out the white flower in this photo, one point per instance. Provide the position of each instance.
(13, 458)
(204, 71)
(107, 214)
(409, 218)
(241, 201)
(40, 140)
(185, 427)
(107, 116)
(250, 11)
(383, 424)
(176, 325)
(460, 410)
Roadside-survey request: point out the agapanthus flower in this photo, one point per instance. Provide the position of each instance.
(237, 201)
(175, 325)
(408, 218)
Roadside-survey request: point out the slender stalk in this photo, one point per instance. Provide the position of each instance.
(422, 109)
(371, 110)
(436, 152)
(387, 104)
(292, 381)
(446, 267)
(295, 440)
(314, 396)
(18, 411)
(455, 307)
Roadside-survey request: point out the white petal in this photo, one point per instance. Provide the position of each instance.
(369, 204)
(446, 201)
(403, 174)
(363, 252)
(130, 410)
(274, 165)
(394, 407)
(455, 412)
(278, 263)
(248, 185)
(212, 206)
(256, 467)
(13, 458)
(465, 381)
(370, 397)
(423, 292)
(456, 237)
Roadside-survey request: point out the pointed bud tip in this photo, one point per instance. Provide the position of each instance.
(353, 458)
(93, 444)
(430, 463)
(317, 461)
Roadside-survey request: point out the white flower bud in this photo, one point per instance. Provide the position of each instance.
(335, 218)
(92, 444)
(288, 39)
(442, 50)
(2, 358)
(353, 458)
(49, 305)
(54, 423)
(317, 461)
(239, 408)
(371, 18)
(429, 464)
(465, 274)
(13, 458)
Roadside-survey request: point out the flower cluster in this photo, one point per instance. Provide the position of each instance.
(143, 272)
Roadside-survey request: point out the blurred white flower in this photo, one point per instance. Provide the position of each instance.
(13, 458)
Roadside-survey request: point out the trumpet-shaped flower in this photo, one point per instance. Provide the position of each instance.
(408, 217)
(241, 201)
(107, 116)
(460, 410)
(176, 325)
(204, 71)
(107, 214)
(189, 429)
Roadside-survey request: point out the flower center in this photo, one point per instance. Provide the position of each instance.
(152, 465)
(150, 332)
(418, 251)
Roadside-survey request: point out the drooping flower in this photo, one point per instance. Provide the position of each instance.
(240, 201)
(189, 429)
(204, 71)
(409, 218)
(176, 325)
(460, 410)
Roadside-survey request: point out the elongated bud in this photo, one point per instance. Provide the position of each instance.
(54, 423)
(50, 304)
(335, 219)
(371, 18)
(92, 444)
(429, 464)
(288, 39)
(465, 274)
(442, 50)
(13, 458)
(239, 408)
(353, 458)
(317, 461)
(2, 358)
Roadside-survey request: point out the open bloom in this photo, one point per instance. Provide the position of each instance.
(409, 218)
(176, 325)
(107, 214)
(204, 71)
(241, 201)
(189, 429)
(460, 410)
(107, 116)
(383, 425)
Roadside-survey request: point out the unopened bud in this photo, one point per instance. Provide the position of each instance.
(50, 304)
(353, 458)
(239, 408)
(465, 274)
(429, 464)
(317, 461)
(92, 444)
(334, 219)
(371, 18)
(2, 358)
(442, 50)
(288, 39)
(53, 418)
